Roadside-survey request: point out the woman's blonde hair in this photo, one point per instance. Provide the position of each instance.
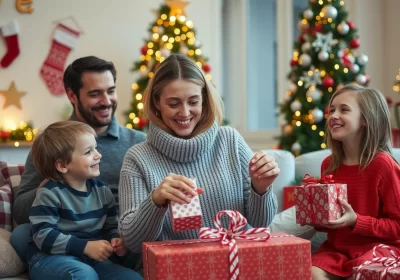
(376, 134)
(57, 143)
(175, 67)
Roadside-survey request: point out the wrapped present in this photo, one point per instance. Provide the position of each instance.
(231, 254)
(288, 197)
(385, 267)
(186, 216)
(317, 200)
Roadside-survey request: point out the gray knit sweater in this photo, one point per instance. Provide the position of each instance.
(218, 159)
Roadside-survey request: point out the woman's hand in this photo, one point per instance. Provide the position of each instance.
(263, 171)
(176, 188)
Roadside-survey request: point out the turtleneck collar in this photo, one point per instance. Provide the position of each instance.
(179, 149)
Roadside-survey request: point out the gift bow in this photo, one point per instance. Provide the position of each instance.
(236, 223)
(388, 262)
(310, 180)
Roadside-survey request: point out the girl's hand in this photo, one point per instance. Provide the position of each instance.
(175, 188)
(263, 171)
(119, 247)
(348, 219)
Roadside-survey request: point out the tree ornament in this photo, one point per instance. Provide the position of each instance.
(301, 39)
(339, 86)
(314, 94)
(362, 59)
(355, 68)
(292, 88)
(368, 79)
(142, 122)
(311, 77)
(206, 68)
(323, 56)
(143, 72)
(326, 110)
(165, 52)
(324, 42)
(183, 50)
(303, 25)
(329, 12)
(305, 60)
(317, 115)
(295, 106)
(328, 81)
(318, 28)
(296, 147)
(283, 122)
(351, 25)
(293, 63)
(143, 50)
(305, 46)
(343, 28)
(361, 79)
(308, 14)
(354, 43)
(288, 130)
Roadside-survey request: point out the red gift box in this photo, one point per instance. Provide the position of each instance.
(288, 197)
(383, 267)
(317, 201)
(186, 216)
(282, 256)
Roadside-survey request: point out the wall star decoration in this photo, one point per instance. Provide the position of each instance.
(24, 6)
(12, 96)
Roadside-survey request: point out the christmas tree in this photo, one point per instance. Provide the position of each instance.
(325, 58)
(170, 32)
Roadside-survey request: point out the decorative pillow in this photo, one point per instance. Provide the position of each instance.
(5, 207)
(11, 174)
(10, 263)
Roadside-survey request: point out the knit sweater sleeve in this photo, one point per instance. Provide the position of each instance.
(44, 216)
(387, 225)
(260, 210)
(140, 220)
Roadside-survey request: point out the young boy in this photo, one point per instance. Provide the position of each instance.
(73, 218)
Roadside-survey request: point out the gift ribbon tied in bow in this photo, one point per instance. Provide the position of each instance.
(310, 180)
(230, 235)
(388, 263)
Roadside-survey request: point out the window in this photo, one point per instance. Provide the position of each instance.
(257, 44)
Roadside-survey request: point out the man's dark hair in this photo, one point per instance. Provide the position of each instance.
(73, 73)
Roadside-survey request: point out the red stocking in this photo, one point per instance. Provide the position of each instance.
(10, 32)
(52, 70)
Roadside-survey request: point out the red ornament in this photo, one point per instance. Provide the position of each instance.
(389, 101)
(293, 63)
(318, 28)
(326, 111)
(142, 122)
(367, 80)
(351, 25)
(354, 43)
(206, 68)
(301, 39)
(143, 50)
(328, 81)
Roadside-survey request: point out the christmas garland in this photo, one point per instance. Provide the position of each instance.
(24, 132)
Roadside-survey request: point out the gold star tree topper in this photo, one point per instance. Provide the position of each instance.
(177, 7)
(12, 96)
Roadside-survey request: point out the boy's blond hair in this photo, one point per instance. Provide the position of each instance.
(57, 143)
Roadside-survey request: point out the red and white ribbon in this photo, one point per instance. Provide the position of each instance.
(389, 263)
(236, 223)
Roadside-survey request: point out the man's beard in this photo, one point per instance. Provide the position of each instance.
(90, 118)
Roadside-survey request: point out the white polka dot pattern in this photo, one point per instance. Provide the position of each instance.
(186, 216)
(319, 203)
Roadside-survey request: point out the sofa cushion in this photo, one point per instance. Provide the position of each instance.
(11, 174)
(5, 207)
(10, 263)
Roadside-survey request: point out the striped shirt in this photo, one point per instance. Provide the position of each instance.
(63, 219)
(218, 159)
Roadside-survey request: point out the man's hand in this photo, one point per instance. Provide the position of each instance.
(99, 250)
(119, 247)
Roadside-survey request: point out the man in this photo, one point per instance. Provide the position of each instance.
(90, 86)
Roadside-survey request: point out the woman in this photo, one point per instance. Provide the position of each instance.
(185, 140)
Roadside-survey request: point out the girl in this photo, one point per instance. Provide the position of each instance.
(359, 135)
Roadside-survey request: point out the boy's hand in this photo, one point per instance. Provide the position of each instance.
(119, 247)
(99, 250)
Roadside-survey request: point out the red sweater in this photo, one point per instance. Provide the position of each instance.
(374, 194)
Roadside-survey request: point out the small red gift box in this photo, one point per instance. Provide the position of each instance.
(186, 216)
(385, 267)
(288, 197)
(279, 256)
(317, 201)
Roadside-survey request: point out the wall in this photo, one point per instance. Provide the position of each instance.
(114, 30)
